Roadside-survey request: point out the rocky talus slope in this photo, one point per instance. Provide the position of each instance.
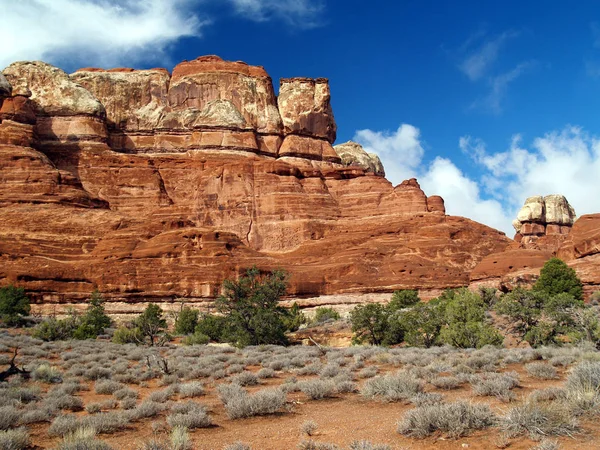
(156, 186)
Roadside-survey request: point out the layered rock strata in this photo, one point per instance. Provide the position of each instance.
(543, 223)
(153, 186)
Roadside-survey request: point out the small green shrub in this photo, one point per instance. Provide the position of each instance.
(323, 314)
(14, 305)
(125, 335)
(187, 320)
(403, 299)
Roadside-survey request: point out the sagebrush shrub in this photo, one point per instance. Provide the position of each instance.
(392, 387)
(454, 419)
(17, 439)
(538, 420)
(541, 370)
(317, 389)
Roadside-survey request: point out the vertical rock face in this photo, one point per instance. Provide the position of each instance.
(248, 89)
(544, 222)
(353, 153)
(152, 187)
(304, 104)
(134, 100)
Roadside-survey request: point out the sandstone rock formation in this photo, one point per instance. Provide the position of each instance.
(544, 222)
(546, 227)
(353, 153)
(153, 186)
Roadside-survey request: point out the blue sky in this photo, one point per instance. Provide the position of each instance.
(484, 102)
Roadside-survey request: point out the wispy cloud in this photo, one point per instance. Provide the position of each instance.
(480, 53)
(298, 13)
(75, 33)
(479, 58)
(498, 87)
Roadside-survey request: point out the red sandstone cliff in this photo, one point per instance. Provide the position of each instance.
(153, 186)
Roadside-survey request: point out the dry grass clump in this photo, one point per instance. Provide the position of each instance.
(495, 384)
(454, 419)
(317, 389)
(547, 444)
(265, 373)
(16, 439)
(180, 439)
(83, 438)
(245, 378)
(583, 389)
(189, 415)
(191, 389)
(237, 446)
(446, 383)
(426, 398)
(238, 403)
(313, 445)
(392, 387)
(541, 370)
(47, 374)
(146, 409)
(126, 392)
(309, 427)
(367, 445)
(538, 420)
(9, 417)
(107, 386)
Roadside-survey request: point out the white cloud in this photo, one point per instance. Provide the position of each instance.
(478, 61)
(107, 33)
(561, 162)
(404, 141)
(94, 32)
(299, 13)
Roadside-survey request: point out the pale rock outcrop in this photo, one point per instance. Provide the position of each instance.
(559, 211)
(134, 100)
(305, 108)
(249, 88)
(544, 222)
(551, 209)
(352, 153)
(53, 93)
(66, 112)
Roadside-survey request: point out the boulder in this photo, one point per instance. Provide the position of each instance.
(352, 153)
